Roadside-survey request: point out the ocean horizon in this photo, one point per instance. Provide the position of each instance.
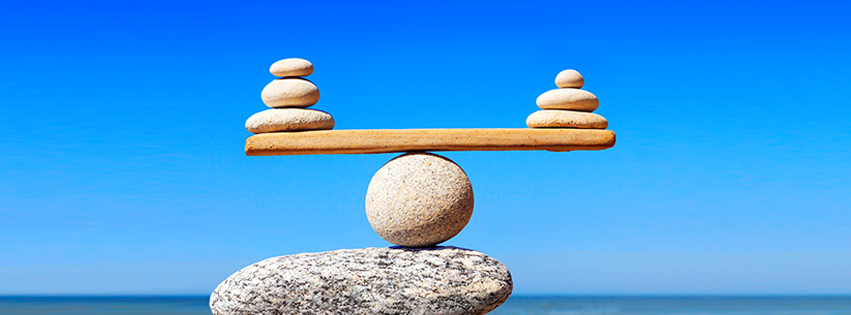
(516, 305)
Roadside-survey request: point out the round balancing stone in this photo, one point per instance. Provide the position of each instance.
(292, 67)
(553, 118)
(569, 79)
(289, 119)
(290, 92)
(570, 99)
(419, 200)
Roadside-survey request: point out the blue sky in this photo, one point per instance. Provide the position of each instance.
(122, 168)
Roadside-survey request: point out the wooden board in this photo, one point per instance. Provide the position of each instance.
(404, 140)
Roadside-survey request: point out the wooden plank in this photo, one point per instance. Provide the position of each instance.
(404, 140)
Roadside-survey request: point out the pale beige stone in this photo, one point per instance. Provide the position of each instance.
(569, 79)
(291, 67)
(419, 200)
(554, 118)
(290, 92)
(289, 119)
(404, 140)
(570, 99)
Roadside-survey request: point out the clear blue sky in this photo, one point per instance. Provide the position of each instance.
(122, 168)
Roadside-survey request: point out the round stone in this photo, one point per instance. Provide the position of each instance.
(570, 99)
(289, 119)
(290, 92)
(569, 79)
(419, 200)
(291, 67)
(553, 118)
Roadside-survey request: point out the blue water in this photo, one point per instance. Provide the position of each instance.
(104, 305)
(516, 305)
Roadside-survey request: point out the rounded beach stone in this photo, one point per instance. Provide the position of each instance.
(291, 67)
(571, 99)
(290, 92)
(289, 119)
(419, 200)
(569, 79)
(553, 118)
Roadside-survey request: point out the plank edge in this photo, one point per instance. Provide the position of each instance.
(266, 144)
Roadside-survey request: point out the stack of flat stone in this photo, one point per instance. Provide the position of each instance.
(289, 96)
(568, 106)
(416, 201)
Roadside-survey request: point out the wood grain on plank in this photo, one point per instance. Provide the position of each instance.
(403, 140)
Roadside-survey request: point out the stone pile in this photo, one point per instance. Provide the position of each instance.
(568, 106)
(289, 97)
(416, 201)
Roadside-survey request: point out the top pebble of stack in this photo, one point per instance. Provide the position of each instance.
(292, 67)
(567, 79)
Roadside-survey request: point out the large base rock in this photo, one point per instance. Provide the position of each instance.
(440, 280)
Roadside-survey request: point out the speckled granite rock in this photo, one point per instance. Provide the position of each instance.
(553, 118)
(419, 200)
(289, 119)
(290, 92)
(442, 280)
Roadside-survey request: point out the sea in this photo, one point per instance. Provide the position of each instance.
(516, 305)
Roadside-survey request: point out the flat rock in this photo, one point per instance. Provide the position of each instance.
(404, 140)
(419, 200)
(569, 79)
(290, 92)
(292, 67)
(289, 119)
(442, 280)
(571, 99)
(553, 118)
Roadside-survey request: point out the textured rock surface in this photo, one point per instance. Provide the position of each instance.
(571, 99)
(292, 67)
(419, 200)
(289, 119)
(443, 280)
(569, 79)
(553, 118)
(290, 92)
